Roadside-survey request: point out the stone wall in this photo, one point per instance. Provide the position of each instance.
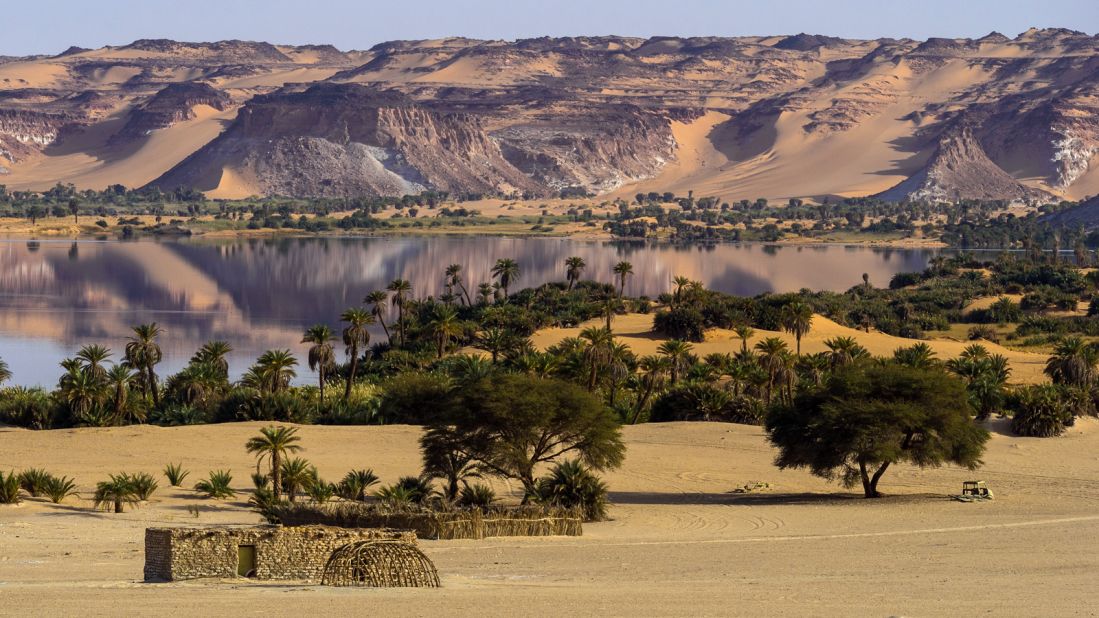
(297, 553)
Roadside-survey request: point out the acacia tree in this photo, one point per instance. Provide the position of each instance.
(509, 424)
(870, 416)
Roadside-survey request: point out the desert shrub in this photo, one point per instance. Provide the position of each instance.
(983, 332)
(903, 280)
(178, 415)
(9, 488)
(684, 323)
(354, 412)
(1040, 411)
(570, 485)
(59, 487)
(419, 488)
(413, 397)
(31, 408)
(396, 496)
(476, 495)
(217, 485)
(144, 485)
(704, 402)
(355, 483)
(320, 492)
(175, 474)
(34, 481)
(284, 406)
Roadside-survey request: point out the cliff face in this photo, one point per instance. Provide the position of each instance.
(785, 116)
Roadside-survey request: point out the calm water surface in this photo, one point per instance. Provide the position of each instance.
(261, 293)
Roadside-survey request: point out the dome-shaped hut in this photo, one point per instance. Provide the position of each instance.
(380, 563)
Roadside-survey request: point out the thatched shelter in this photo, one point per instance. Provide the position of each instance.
(380, 564)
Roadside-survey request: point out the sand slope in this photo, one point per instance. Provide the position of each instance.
(680, 544)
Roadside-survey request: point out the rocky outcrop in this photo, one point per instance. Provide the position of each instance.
(343, 139)
(175, 103)
(960, 169)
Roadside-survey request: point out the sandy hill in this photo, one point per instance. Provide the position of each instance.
(736, 118)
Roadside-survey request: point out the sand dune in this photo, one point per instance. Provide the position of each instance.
(679, 544)
(90, 161)
(635, 330)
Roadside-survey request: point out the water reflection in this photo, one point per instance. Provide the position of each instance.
(261, 293)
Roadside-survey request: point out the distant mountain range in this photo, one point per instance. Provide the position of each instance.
(803, 116)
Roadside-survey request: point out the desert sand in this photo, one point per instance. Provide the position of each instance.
(680, 542)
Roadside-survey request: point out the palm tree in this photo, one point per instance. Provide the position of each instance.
(843, 351)
(493, 340)
(276, 369)
(377, 301)
(454, 279)
(143, 352)
(681, 284)
(796, 318)
(296, 475)
(214, 354)
(322, 358)
(119, 378)
(80, 390)
(94, 358)
(652, 380)
(918, 355)
(574, 269)
(773, 354)
(744, 332)
(507, 271)
(445, 326)
(5, 373)
(401, 289)
(1073, 362)
(609, 308)
(116, 492)
(623, 270)
(355, 334)
(273, 443)
(598, 351)
(814, 367)
(678, 354)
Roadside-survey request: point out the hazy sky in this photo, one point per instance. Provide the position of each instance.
(50, 26)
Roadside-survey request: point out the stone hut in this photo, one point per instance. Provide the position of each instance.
(260, 552)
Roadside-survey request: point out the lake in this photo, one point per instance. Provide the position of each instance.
(56, 295)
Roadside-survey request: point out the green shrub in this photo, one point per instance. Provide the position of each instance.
(34, 481)
(419, 488)
(684, 323)
(570, 485)
(476, 495)
(704, 402)
(396, 497)
(9, 488)
(1040, 411)
(217, 485)
(413, 397)
(144, 485)
(355, 483)
(31, 408)
(60, 487)
(175, 474)
(179, 415)
(115, 493)
(320, 491)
